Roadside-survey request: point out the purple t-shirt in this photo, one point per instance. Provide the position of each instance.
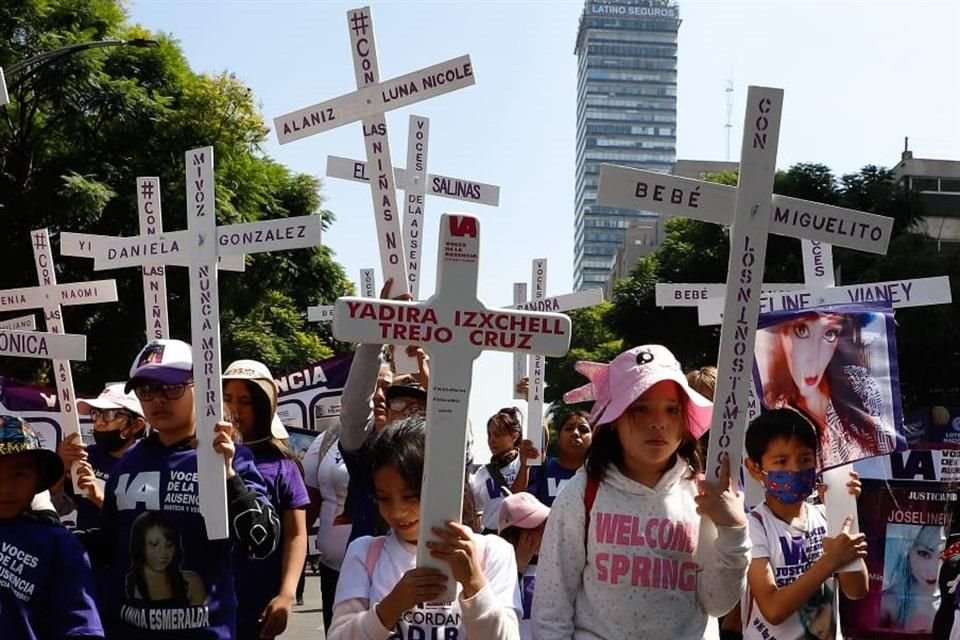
(166, 578)
(88, 514)
(258, 581)
(550, 479)
(46, 586)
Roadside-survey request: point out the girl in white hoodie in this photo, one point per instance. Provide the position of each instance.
(617, 557)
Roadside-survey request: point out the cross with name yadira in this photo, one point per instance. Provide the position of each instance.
(453, 327)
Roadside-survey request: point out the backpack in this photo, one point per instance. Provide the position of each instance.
(589, 497)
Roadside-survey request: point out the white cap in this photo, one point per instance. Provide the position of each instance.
(259, 373)
(112, 397)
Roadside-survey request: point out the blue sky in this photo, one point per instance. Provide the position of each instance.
(858, 78)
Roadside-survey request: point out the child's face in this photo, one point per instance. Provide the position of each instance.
(788, 454)
(533, 537)
(166, 415)
(575, 436)
(500, 440)
(651, 429)
(19, 479)
(237, 396)
(398, 503)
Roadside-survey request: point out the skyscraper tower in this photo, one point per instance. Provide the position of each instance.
(626, 114)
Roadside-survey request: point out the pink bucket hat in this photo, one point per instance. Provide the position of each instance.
(521, 510)
(613, 387)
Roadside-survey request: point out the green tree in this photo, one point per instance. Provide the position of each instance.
(72, 142)
(590, 339)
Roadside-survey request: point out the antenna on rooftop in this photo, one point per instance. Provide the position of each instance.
(729, 125)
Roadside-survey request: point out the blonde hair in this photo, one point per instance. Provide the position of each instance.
(703, 381)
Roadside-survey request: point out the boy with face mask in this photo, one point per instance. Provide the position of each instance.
(793, 576)
(118, 424)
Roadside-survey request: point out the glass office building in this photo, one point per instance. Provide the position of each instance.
(626, 114)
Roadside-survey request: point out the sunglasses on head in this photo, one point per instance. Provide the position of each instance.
(109, 415)
(147, 391)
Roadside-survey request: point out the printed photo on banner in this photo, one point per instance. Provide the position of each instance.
(838, 366)
(156, 559)
(906, 511)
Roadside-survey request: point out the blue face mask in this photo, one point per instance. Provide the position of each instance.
(791, 487)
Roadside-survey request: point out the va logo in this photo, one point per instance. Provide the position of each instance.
(461, 226)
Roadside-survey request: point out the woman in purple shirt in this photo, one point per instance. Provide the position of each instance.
(266, 588)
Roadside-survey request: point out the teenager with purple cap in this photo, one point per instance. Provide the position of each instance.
(266, 587)
(46, 586)
(148, 594)
(618, 553)
(118, 424)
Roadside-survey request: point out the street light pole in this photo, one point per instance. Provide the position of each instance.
(31, 65)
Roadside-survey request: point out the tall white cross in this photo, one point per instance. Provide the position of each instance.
(198, 247)
(81, 245)
(536, 364)
(454, 327)
(753, 211)
(369, 104)
(417, 184)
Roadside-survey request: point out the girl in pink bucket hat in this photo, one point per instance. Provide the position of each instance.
(618, 554)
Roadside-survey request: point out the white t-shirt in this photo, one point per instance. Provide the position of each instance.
(331, 478)
(791, 549)
(442, 620)
(487, 495)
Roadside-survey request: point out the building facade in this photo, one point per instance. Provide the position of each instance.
(937, 185)
(626, 114)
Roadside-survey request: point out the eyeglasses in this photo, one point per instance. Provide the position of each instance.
(403, 403)
(147, 391)
(108, 415)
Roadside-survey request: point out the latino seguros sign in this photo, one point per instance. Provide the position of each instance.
(643, 11)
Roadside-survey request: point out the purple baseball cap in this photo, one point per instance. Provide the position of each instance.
(163, 361)
(614, 387)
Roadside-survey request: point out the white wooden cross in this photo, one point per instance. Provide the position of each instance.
(198, 247)
(82, 245)
(49, 296)
(537, 367)
(416, 184)
(369, 104)
(454, 327)
(753, 211)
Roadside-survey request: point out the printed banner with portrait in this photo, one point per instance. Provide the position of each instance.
(905, 510)
(838, 366)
